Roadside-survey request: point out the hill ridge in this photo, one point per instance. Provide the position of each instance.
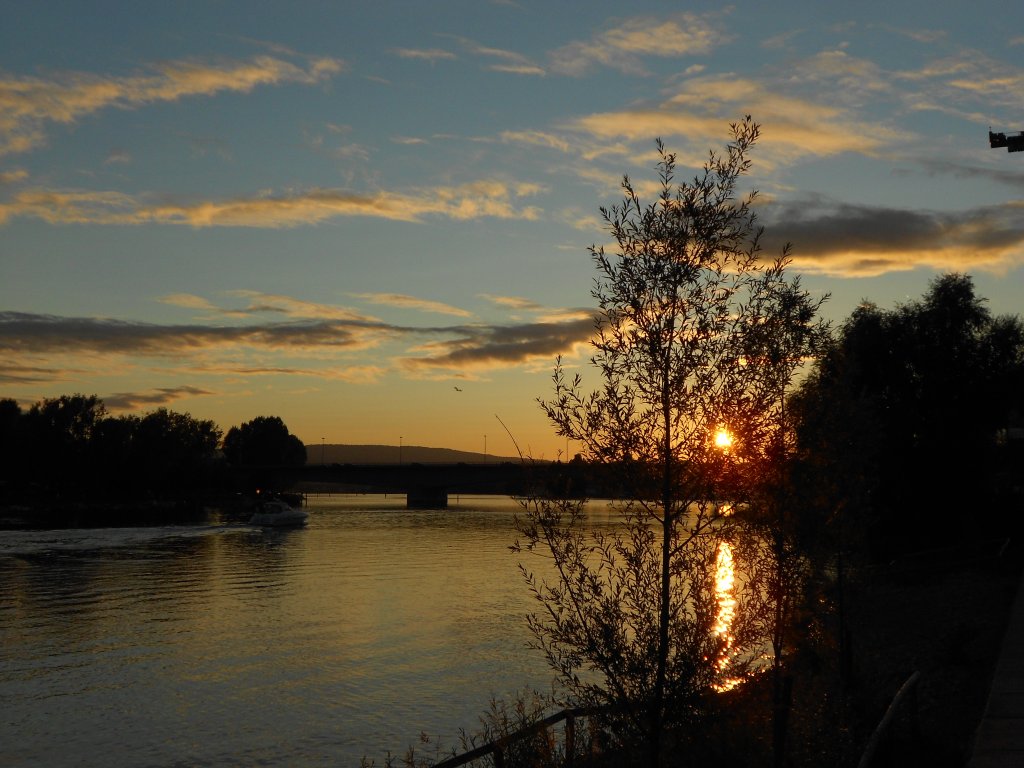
(343, 453)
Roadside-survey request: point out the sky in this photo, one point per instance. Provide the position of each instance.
(372, 219)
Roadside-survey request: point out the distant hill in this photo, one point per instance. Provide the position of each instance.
(388, 454)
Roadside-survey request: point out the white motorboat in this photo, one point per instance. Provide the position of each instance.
(275, 513)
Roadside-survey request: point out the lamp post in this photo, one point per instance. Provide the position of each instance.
(399, 450)
(323, 445)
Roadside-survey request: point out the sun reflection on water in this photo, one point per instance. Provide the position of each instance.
(725, 580)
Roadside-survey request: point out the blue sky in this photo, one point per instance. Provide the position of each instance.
(339, 212)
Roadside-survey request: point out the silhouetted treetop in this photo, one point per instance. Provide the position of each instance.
(264, 441)
(914, 397)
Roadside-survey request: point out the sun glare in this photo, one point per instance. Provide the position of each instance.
(723, 439)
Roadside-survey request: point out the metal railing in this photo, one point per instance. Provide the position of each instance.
(905, 692)
(499, 747)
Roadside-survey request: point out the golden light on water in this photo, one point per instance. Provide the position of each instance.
(725, 581)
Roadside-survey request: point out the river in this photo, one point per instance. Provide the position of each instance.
(228, 645)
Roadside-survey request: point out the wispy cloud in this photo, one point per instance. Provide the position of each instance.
(26, 333)
(133, 401)
(424, 54)
(862, 241)
(118, 157)
(403, 301)
(13, 177)
(965, 81)
(189, 301)
(481, 199)
(488, 347)
(28, 104)
(1009, 177)
(622, 47)
(795, 127)
(258, 302)
(537, 139)
(782, 41)
(17, 373)
(504, 60)
(261, 349)
(539, 313)
(840, 78)
(512, 302)
(350, 373)
(920, 34)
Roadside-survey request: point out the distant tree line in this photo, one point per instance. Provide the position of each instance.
(71, 449)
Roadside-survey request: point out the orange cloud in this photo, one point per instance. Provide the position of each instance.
(411, 302)
(794, 127)
(424, 54)
(620, 47)
(469, 201)
(28, 103)
(298, 308)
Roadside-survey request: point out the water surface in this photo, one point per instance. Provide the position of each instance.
(230, 645)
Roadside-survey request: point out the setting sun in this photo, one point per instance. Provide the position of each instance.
(723, 439)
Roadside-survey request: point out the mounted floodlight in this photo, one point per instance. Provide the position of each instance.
(1013, 143)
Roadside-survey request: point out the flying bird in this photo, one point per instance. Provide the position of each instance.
(457, 389)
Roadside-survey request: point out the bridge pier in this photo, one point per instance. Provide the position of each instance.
(426, 498)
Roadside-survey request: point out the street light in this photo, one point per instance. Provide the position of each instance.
(322, 447)
(399, 450)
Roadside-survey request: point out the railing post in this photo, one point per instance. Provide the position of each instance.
(570, 740)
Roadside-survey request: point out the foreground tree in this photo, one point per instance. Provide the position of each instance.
(688, 343)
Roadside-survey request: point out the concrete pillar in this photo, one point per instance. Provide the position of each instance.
(426, 498)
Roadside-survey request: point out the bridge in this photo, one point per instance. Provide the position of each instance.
(426, 486)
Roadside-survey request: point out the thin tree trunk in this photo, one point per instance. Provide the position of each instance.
(658, 718)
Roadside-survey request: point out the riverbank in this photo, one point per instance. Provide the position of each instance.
(941, 615)
(944, 616)
(81, 514)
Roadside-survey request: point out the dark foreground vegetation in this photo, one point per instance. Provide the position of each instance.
(873, 522)
(906, 520)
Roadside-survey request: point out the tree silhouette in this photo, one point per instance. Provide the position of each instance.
(12, 448)
(174, 450)
(695, 332)
(57, 433)
(901, 415)
(264, 441)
